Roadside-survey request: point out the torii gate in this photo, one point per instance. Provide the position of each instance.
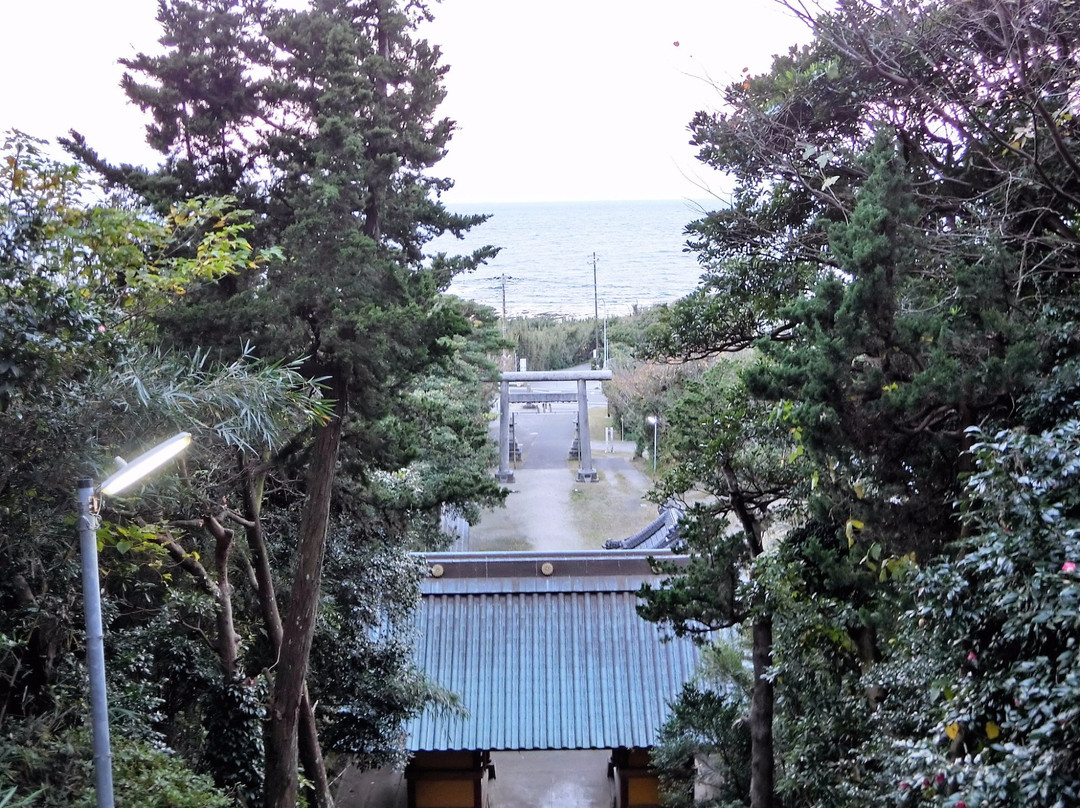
(586, 472)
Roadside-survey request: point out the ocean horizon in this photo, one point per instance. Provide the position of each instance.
(547, 256)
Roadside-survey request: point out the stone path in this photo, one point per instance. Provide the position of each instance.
(548, 509)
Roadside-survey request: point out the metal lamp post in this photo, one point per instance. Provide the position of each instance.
(95, 638)
(653, 421)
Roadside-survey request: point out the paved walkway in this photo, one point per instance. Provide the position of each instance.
(548, 509)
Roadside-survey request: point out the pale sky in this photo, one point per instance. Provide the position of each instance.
(555, 100)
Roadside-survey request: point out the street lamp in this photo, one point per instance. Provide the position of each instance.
(129, 474)
(654, 422)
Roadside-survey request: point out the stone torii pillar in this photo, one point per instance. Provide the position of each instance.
(586, 472)
(505, 474)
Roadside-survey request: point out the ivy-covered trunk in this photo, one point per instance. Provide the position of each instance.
(227, 641)
(299, 626)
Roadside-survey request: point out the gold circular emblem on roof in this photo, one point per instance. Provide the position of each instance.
(437, 570)
(547, 568)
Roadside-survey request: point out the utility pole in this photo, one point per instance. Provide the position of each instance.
(508, 362)
(503, 278)
(596, 307)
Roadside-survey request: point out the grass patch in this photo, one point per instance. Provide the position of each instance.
(609, 509)
(499, 544)
(599, 420)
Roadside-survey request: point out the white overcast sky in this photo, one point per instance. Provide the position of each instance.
(555, 99)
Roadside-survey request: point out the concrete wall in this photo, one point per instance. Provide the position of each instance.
(384, 788)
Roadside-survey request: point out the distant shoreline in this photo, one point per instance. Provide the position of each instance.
(578, 259)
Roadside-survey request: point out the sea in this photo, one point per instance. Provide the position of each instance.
(571, 259)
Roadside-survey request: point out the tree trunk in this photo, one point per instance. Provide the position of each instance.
(310, 751)
(761, 717)
(299, 627)
(260, 558)
(311, 755)
(762, 767)
(865, 640)
(228, 641)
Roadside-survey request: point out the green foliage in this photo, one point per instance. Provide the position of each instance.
(992, 639)
(739, 465)
(234, 714)
(642, 388)
(246, 403)
(9, 800)
(78, 278)
(731, 310)
(705, 742)
(439, 436)
(158, 665)
(344, 195)
(551, 344)
(737, 457)
(183, 315)
(51, 767)
(830, 607)
(882, 378)
(88, 379)
(368, 685)
(145, 777)
(322, 118)
(901, 251)
(716, 428)
(339, 179)
(703, 749)
(706, 593)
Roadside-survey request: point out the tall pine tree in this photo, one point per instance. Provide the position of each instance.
(322, 119)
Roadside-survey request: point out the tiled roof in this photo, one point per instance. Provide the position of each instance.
(661, 532)
(545, 660)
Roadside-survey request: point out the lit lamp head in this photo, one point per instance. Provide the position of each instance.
(652, 420)
(145, 463)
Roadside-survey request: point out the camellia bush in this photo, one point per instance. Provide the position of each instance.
(984, 706)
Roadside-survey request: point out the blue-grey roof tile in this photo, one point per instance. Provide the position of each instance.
(544, 662)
